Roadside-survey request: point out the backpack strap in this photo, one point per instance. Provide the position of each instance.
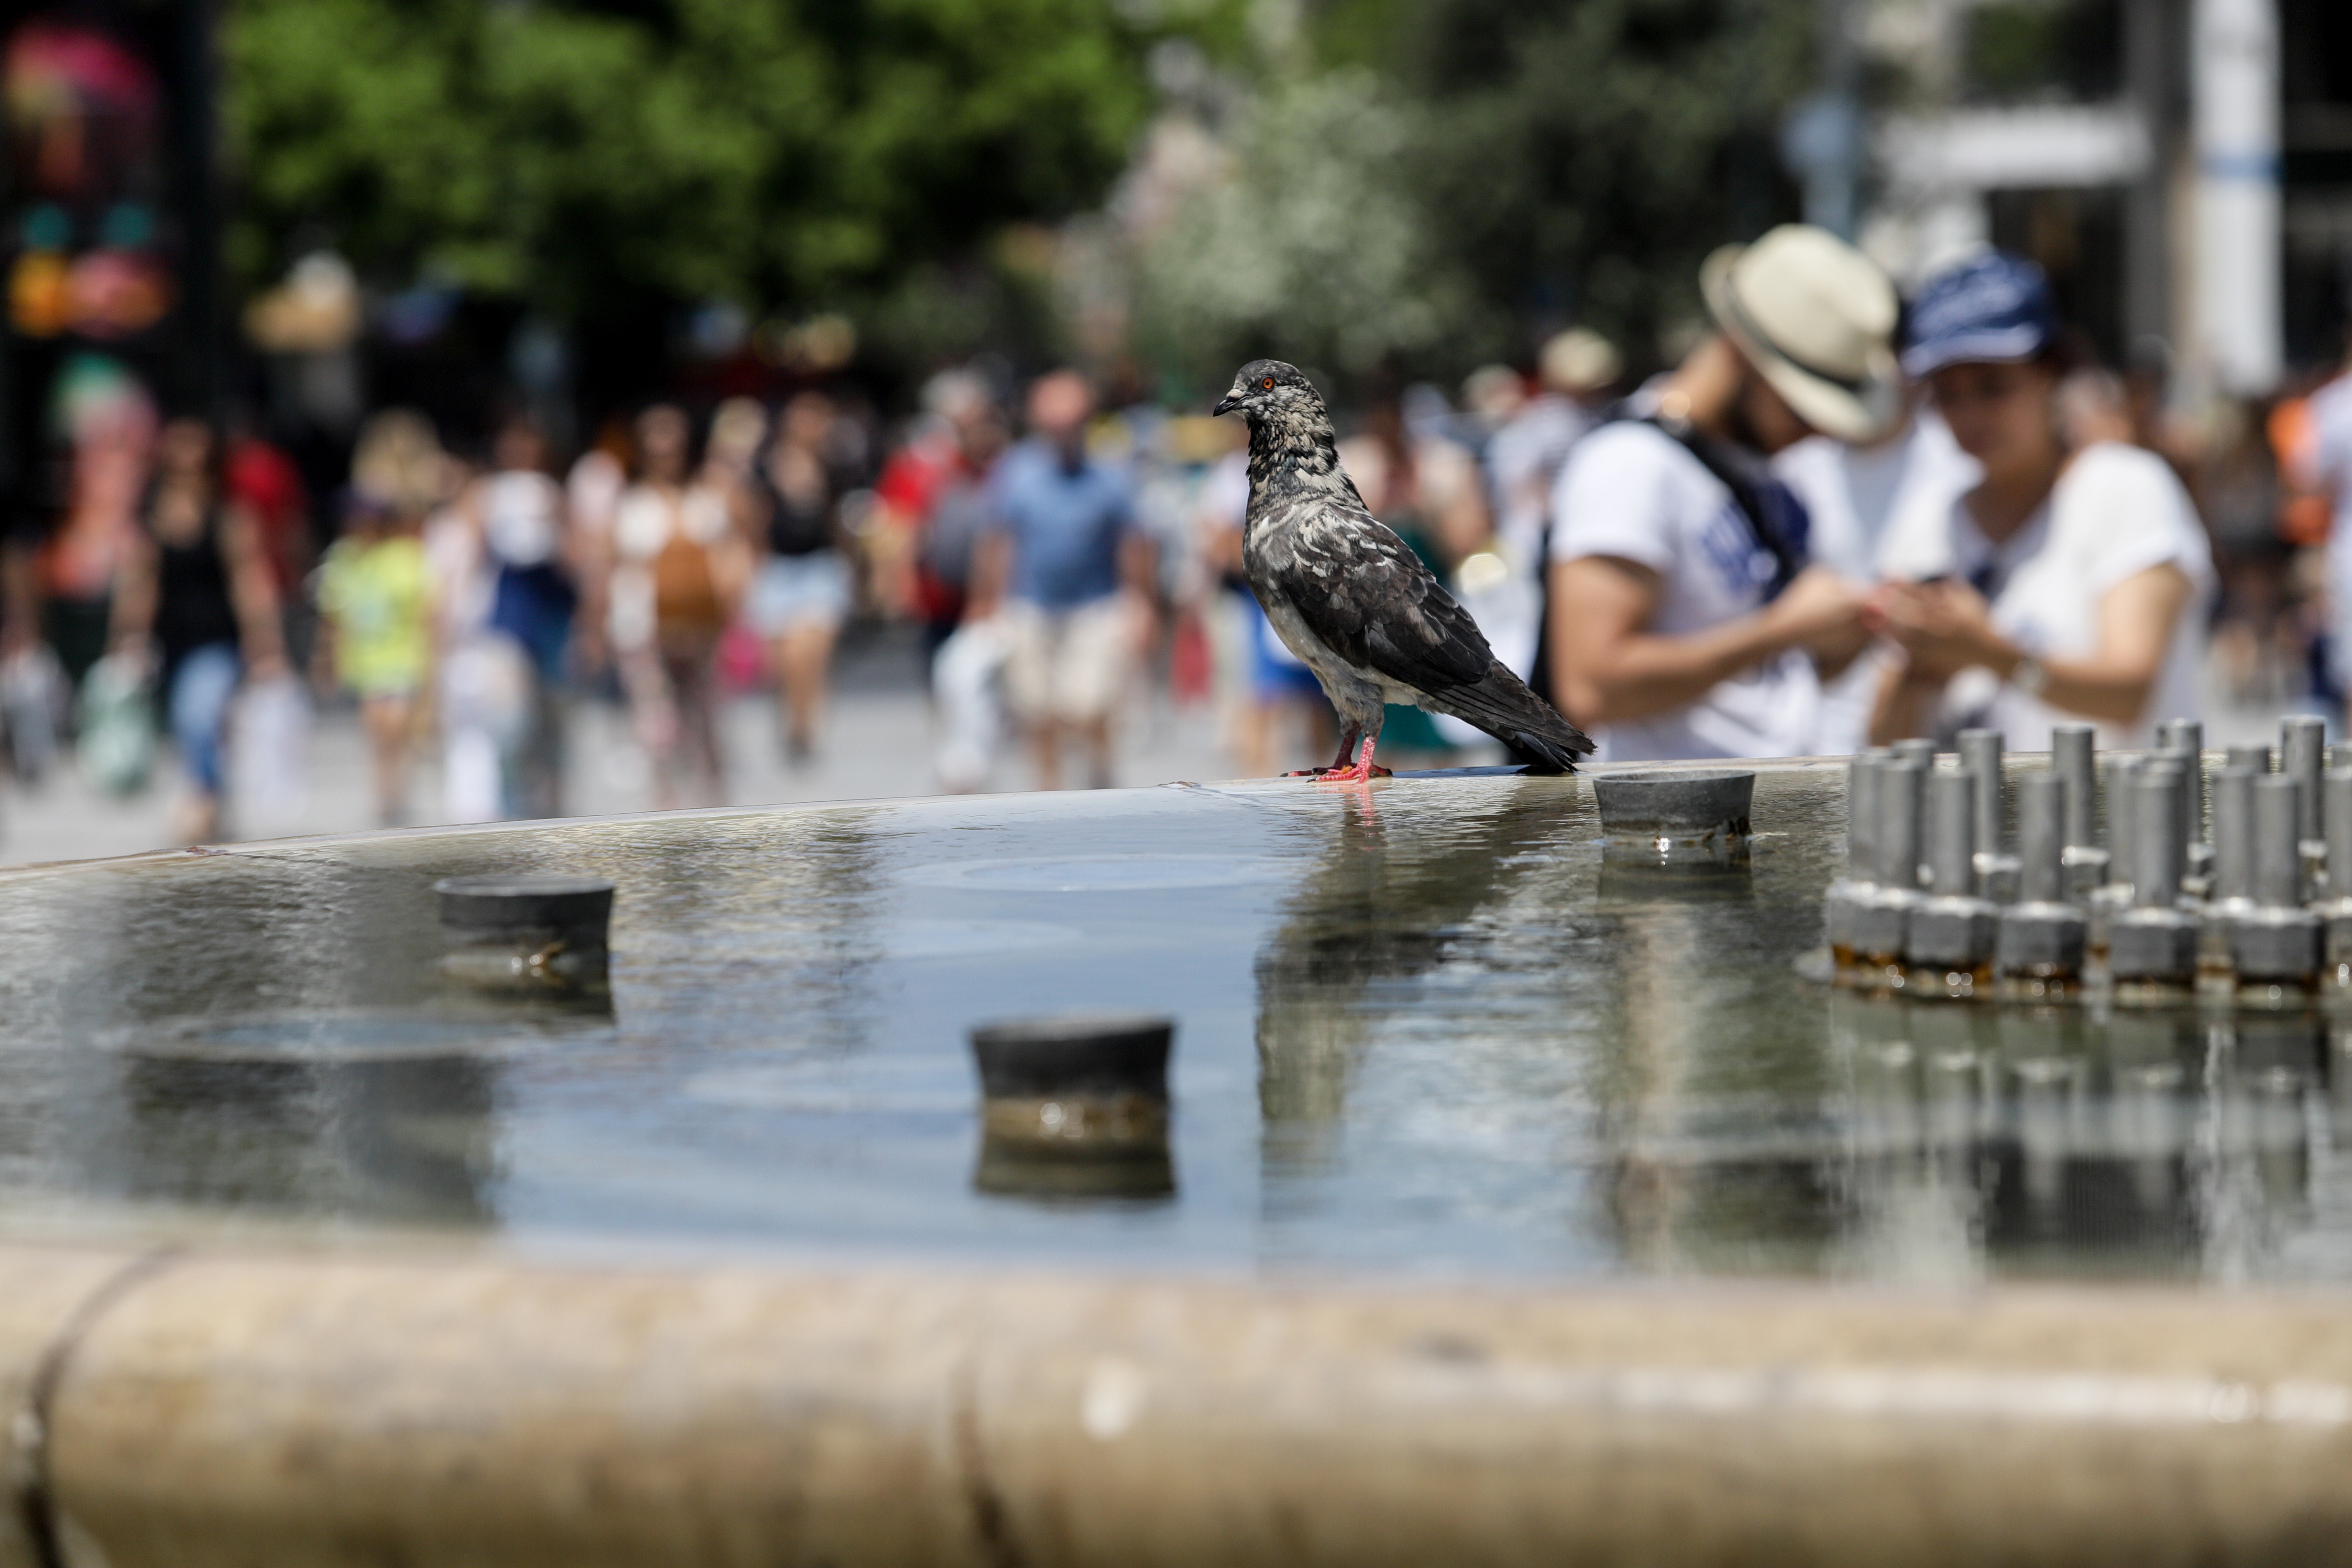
(1775, 517)
(1772, 511)
(1540, 677)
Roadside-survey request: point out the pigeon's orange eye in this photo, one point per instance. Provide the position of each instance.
(1267, 383)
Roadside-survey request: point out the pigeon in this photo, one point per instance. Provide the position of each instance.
(1352, 600)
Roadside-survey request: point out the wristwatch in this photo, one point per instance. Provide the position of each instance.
(2028, 674)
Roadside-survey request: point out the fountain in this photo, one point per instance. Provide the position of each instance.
(1513, 1178)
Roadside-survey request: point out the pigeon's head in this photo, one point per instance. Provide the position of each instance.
(1265, 390)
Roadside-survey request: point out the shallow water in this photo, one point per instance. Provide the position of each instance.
(1439, 1030)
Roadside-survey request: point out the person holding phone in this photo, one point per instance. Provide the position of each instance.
(2067, 585)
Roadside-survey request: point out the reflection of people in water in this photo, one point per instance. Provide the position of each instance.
(1657, 1064)
(1694, 1072)
(406, 1139)
(1682, 1087)
(418, 1137)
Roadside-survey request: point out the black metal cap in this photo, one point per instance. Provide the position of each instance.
(1074, 1054)
(1014, 1168)
(492, 906)
(1674, 803)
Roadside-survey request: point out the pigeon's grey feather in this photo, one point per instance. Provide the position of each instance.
(1352, 600)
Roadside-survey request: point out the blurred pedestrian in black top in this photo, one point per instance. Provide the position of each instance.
(195, 599)
(801, 593)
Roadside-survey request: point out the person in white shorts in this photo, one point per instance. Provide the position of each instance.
(1687, 619)
(1067, 567)
(2065, 585)
(801, 593)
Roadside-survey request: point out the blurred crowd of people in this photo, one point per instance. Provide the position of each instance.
(1841, 517)
(1844, 517)
(461, 601)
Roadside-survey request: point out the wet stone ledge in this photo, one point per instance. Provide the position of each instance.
(251, 1409)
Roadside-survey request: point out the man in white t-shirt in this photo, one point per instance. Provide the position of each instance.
(1684, 620)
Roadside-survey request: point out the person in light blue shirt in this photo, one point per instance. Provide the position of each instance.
(1066, 568)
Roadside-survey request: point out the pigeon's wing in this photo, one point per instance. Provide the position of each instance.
(1363, 592)
(1370, 600)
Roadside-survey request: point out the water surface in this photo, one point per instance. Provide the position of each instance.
(1437, 1027)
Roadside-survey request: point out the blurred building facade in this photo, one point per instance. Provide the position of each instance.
(2183, 168)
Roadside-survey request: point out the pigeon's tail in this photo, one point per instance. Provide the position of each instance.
(1502, 705)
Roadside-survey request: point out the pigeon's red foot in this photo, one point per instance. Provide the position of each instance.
(1361, 771)
(1343, 763)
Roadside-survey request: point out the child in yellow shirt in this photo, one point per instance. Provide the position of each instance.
(375, 599)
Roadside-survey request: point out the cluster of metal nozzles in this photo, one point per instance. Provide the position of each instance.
(2235, 876)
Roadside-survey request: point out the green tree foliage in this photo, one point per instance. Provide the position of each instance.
(764, 151)
(1311, 247)
(2014, 49)
(1451, 177)
(1584, 155)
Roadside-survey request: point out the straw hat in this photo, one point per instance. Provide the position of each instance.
(1816, 317)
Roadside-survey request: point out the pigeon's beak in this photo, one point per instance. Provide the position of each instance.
(1227, 404)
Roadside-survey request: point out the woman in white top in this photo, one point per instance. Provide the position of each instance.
(517, 514)
(2066, 585)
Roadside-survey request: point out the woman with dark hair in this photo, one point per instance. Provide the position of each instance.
(801, 593)
(195, 595)
(680, 570)
(2068, 584)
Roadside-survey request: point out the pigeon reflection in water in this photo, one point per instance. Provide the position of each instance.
(1376, 912)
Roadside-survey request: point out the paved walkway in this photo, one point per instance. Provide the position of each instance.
(878, 744)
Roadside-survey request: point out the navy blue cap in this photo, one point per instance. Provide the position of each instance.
(1991, 309)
